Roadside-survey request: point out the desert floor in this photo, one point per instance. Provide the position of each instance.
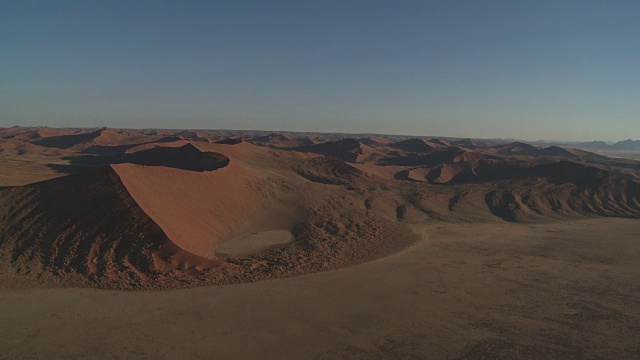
(565, 290)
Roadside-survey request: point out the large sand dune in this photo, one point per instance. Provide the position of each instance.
(146, 209)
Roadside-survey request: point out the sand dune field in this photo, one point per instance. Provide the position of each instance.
(174, 244)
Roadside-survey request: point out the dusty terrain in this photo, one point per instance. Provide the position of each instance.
(565, 290)
(336, 246)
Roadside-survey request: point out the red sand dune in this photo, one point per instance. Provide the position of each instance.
(467, 144)
(565, 152)
(27, 135)
(439, 143)
(70, 140)
(154, 217)
(282, 141)
(516, 148)
(97, 230)
(111, 137)
(375, 141)
(197, 211)
(229, 141)
(441, 156)
(413, 145)
(19, 133)
(418, 174)
(387, 172)
(328, 170)
(350, 150)
(185, 157)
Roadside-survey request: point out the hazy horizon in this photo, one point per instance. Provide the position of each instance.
(528, 70)
(608, 141)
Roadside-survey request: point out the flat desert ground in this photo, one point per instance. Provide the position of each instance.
(561, 290)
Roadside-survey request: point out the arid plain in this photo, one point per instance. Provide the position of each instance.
(219, 244)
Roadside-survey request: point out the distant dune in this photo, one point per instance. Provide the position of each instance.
(413, 145)
(349, 149)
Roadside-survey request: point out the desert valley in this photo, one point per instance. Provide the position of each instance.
(162, 243)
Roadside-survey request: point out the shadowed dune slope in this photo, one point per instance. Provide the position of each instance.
(29, 133)
(413, 145)
(439, 143)
(68, 141)
(328, 170)
(350, 150)
(613, 197)
(374, 141)
(186, 157)
(436, 157)
(136, 226)
(282, 141)
(198, 210)
(86, 229)
(98, 140)
(515, 148)
(467, 144)
(229, 141)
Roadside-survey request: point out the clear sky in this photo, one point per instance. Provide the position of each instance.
(531, 70)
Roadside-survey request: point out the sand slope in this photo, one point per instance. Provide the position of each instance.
(86, 229)
(564, 290)
(350, 150)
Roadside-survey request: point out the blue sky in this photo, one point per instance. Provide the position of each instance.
(532, 70)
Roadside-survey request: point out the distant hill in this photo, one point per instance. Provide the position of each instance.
(594, 145)
(516, 148)
(627, 145)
